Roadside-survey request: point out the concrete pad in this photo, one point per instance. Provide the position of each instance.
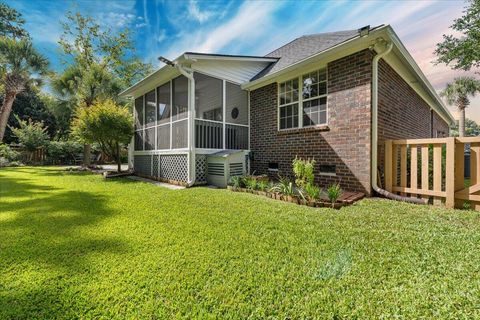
(157, 183)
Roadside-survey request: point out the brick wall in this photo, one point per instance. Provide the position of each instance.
(345, 143)
(402, 113)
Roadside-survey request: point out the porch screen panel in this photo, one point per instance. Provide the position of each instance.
(236, 104)
(208, 97)
(163, 137)
(150, 109)
(138, 141)
(163, 103)
(139, 113)
(180, 98)
(150, 139)
(180, 134)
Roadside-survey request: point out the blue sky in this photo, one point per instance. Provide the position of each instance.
(169, 28)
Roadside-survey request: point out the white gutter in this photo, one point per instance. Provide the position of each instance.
(374, 143)
(187, 72)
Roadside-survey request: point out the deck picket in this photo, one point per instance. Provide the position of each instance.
(441, 177)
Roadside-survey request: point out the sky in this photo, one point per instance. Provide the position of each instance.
(169, 28)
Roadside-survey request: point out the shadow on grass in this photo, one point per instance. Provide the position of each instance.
(47, 236)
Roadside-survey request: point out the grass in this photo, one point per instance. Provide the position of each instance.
(73, 245)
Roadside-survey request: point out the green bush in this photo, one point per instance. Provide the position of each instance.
(236, 181)
(334, 192)
(263, 185)
(63, 151)
(312, 191)
(284, 186)
(8, 153)
(303, 170)
(250, 182)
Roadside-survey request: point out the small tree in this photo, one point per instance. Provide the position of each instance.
(458, 93)
(31, 135)
(108, 124)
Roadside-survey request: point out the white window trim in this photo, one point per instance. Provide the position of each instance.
(301, 100)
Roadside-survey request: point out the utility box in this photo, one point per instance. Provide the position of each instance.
(225, 164)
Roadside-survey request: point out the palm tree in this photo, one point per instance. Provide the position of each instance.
(19, 64)
(458, 93)
(81, 86)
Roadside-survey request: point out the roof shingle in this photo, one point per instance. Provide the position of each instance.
(304, 47)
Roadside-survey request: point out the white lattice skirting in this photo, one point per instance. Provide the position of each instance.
(171, 167)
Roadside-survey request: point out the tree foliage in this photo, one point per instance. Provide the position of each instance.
(472, 129)
(462, 51)
(11, 23)
(31, 104)
(106, 123)
(32, 135)
(460, 90)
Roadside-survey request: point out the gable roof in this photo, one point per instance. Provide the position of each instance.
(304, 47)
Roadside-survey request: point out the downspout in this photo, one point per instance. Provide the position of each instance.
(188, 73)
(374, 157)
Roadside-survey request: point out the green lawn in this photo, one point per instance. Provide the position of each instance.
(73, 245)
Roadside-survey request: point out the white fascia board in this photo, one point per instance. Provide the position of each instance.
(193, 57)
(150, 82)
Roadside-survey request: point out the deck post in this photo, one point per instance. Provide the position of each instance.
(450, 173)
(459, 171)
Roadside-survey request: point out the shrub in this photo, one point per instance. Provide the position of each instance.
(263, 185)
(63, 151)
(32, 135)
(284, 186)
(334, 192)
(236, 181)
(312, 191)
(303, 171)
(8, 153)
(250, 183)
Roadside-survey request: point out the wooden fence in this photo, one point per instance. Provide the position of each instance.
(434, 169)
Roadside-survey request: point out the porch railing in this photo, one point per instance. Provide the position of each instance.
(434, 169)
(210, 135)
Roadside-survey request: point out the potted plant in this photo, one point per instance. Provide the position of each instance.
(334, 192)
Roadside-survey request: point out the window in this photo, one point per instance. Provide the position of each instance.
(208, 97)
(314, 93)
(328, 170)
(149, 137)
(163, 103)
(150, 115)
(180, 98)
(273, 166)
(307, 109)
(139, 113)
(138, 142)
(236, 104)
(289, 104)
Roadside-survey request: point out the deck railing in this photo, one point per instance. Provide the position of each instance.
(210, 135)
(434, 168)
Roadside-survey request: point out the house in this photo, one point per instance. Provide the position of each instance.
(334, 97)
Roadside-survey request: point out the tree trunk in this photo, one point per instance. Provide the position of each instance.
(5, 112)
(87, 151)
(119, 160)
(461, 122)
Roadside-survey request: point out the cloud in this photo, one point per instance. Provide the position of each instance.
(162, 35)
(195, 13)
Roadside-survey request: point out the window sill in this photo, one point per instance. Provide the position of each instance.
(322, 127)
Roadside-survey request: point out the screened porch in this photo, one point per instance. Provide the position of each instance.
(221, 117)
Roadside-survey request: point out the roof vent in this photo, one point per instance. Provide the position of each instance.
(364, 31)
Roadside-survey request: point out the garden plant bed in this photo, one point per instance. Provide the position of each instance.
(347, 198)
